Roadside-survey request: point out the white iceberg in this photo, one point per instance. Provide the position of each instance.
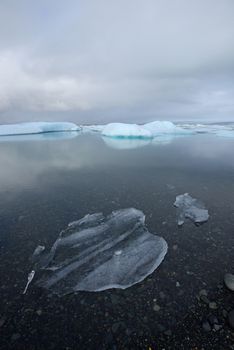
(97, 253)
(37, 128)
(190, 208)
(164, 127)
(122, 130)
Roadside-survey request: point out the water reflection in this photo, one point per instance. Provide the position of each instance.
(125, 143)
(23, 164)
(49, 136)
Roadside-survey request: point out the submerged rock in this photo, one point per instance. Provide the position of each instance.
(98, 253)
(190, 208)
(229, 281)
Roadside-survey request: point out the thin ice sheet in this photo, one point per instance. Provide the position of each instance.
(98, 253)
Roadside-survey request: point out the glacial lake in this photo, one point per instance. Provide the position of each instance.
(48, 181)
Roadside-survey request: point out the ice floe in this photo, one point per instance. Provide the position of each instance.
(36, 128)
(190, 208)
(98, 253)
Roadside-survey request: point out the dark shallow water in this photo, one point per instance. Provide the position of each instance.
(45, 184)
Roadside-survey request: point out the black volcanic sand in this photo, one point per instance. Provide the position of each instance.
(47, 184)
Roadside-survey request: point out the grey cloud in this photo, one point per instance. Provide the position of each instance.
(104, 60)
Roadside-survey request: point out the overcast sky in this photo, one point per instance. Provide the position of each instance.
(107, 60)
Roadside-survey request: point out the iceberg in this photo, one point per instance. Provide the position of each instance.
(149, 130)
(164, 127)
(225, 133)
(37, 128)
(98, 253)
(190, 208)
(122, 130)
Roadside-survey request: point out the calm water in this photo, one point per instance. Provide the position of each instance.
(47, 183)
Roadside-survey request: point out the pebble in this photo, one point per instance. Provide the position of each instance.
(213, 305)
(217, 327)
(162, 295)
(2, 321)
(206, 326)
(204, 299)
(39, 312)
(115, 327)
(231, 318)
(229, 281)
(213, 320)
(224, 313)
(15, 336)
(156, 307)
(203, 292)
(168, 332)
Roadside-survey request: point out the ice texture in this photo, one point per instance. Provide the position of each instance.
(97, 253)
(30, 278)
(92, 128)
(39, 249)
(122, 130)
(190, 208)
(225, 133)
(164, 127)
(36, 128)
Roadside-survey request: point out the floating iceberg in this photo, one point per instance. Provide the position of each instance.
(190, 208)
(98, 253)
(164, 127)
(36, 128)
(225, 133)
(121, 130)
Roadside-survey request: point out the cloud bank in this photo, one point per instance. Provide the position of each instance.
(127, 60)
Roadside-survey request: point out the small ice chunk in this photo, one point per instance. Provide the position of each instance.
(30, 278)
(118, 252)
(190, 208)
(98, 253)
(122, 130)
